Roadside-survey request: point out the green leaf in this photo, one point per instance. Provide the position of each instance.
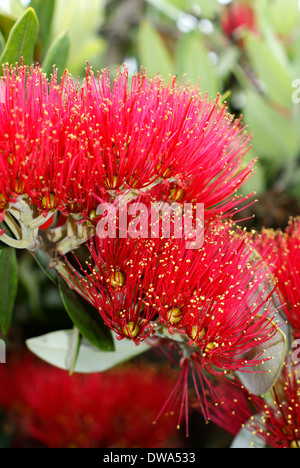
(22, 39)
(57, 55)
(259, 380)
(2, 43)
(8, 286)
(43, 260)
(275, 136)
(276, 77)
(86, 318)
(284, 16)
(6, 24)
(153, 53)
(54, 348)
(44, 10)
(193, 60)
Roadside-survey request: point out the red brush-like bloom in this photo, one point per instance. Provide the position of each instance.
(43, 149)
(69, 147)
(284, 258)
(214, 304)
(24, 96)
(279, 422)
(113, 283)
(111, 409)
(274, 419)
(238, 18)
(165, 134)
(64, 167)
(215, 296)
(233, 408)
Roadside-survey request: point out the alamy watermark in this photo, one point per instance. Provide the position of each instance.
(153, 221)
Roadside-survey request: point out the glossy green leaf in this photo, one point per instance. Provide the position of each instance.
(57, 55)
(44, 10)
(284, 15)
(8, 286)
(275, 136)
(153, 53)
(276, 78)
(6, 24)
(260, 379)
(43, 260)
(2, 43)
(54, 348)
(22, 39)
(194, 61)
(86, 318)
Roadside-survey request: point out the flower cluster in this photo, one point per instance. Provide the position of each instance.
(208, 304)
(274, 420)
(283, 255)
(69, 146)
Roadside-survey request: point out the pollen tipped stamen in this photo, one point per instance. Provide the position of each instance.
(49, 202)
(131, 330)
(174, 316)
(117, 279)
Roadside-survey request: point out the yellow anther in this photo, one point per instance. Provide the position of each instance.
(174, 315)
(195, 334)
(113, 184)
(131, 330)
(176, 194)
(210, 347)
(19, 186)
(3, 201)
(117, 279)
(49, 202)
(93, 215)
(295, 444)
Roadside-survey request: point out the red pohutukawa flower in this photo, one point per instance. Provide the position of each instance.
(233, 408)
(22, 114)
(43, 152)
(279, 422)
(110, 409)
(284, 258)
(71, 146)
(165, 132)
(209, 302)
(274, 419)
(238, 18)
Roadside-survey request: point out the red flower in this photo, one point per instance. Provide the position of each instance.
(164, 134)
(23, 112)
(111, 409)
(43, 154)
(237, 18)
(233, 408)
(213, 305)
(284, 258)
(279, 422)
(277, 417)
(69, 147)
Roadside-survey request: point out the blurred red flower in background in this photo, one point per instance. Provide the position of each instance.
(111, 409)
(236, 19)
